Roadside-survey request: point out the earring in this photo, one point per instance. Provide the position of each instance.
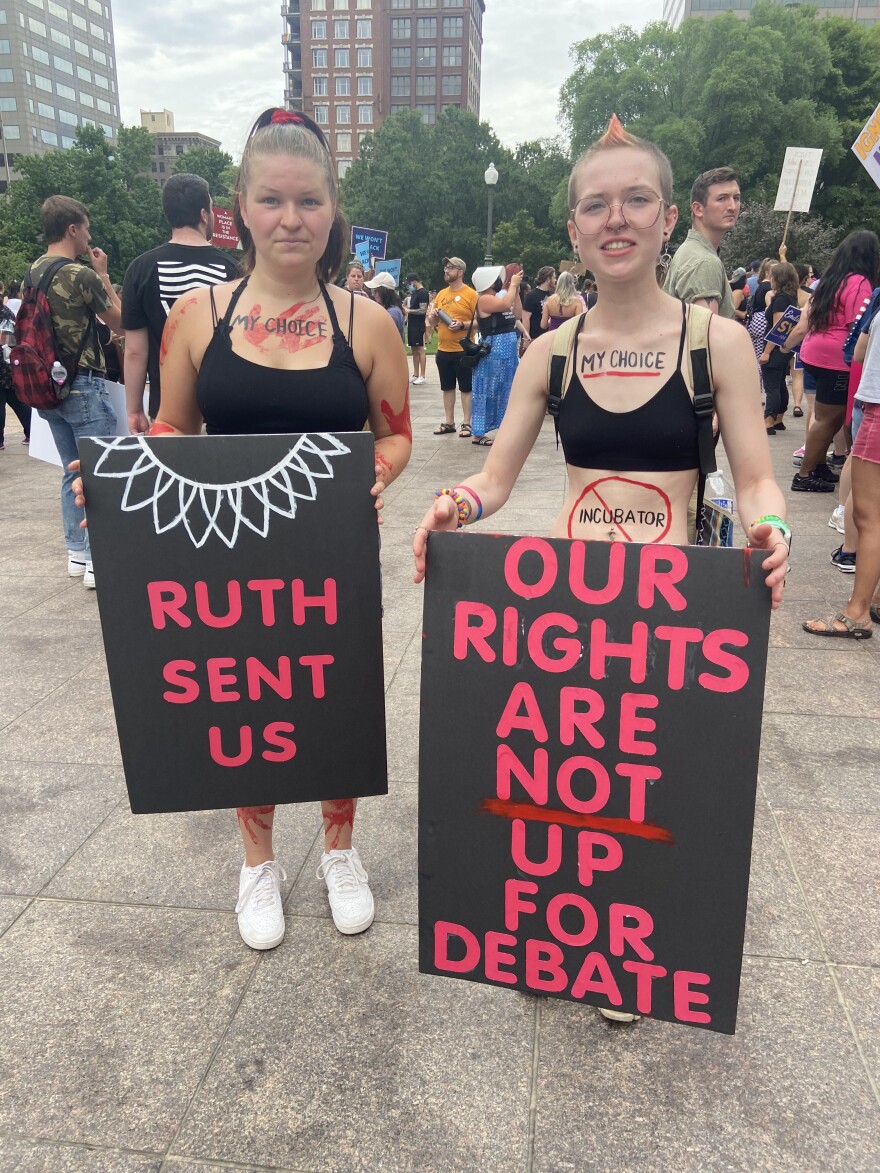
(663, 263)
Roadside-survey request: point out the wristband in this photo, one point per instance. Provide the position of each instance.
(776, 522)
(468, 489)
(463, 506)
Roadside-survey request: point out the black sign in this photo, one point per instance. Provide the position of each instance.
(238, 586)
(591, 717)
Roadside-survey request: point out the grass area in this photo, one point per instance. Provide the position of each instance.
(431, 348)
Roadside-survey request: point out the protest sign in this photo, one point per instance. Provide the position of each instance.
(867, 146)
(225, 235)
(376, 240)
(798, 178)
(240, 608)
(784, 326)
(42, 446)
(362, 252)
(392, 267)
(591, 718)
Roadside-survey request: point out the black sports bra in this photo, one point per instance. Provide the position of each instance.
(659, 436)
(237, 397)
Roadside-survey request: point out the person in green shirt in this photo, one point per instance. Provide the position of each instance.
(697, 273)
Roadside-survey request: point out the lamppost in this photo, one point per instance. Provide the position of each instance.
(491, 177)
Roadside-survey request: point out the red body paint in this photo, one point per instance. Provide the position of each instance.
(292, 341)
(525, 810)
(337, 814)
(171, 328)
(160, 429)
(662, 507)
(398, 421)
(384, 462)
(249, 818)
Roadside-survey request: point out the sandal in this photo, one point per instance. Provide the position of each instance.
(852, 630)
(464, 432)
(875, 613)
(798, 412)
(444, 430)
(482, 442)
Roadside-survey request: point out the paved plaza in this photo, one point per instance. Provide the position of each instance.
(139, 1034)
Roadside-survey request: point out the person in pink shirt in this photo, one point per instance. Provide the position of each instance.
(850, 276)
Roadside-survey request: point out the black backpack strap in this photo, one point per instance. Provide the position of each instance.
(560, 363)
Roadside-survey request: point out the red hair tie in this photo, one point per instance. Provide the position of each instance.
(285, 116)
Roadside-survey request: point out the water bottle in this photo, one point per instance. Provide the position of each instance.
(445, 318)
(59, 373)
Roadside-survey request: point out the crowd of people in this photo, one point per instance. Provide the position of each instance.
(191, 319)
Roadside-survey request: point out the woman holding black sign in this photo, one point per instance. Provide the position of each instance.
(284, 351)
(626, 419)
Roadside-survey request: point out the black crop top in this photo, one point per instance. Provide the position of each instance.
(659, 436)
(237, 397)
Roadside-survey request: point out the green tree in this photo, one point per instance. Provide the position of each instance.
(520, 239)
(759, 231)
(113, 181)
(727, 91)
(211, 164)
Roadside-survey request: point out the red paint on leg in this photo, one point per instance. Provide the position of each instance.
(249, 819)
(398, 421)
(338, 814)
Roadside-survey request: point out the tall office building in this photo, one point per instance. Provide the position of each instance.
(57, 71)
(675, 11)
(351, 63)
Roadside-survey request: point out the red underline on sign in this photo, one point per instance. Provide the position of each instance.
(622, 375)
(537, 814)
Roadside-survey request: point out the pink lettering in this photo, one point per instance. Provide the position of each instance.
(166, 601)
(601, 650)
(737, 669)
(476, 636)
(233, 605)
(589, 842)
(569, 649)
(639, 776)
(285, 749)
(595, 977)
(589, 920)
(325, 602)
(514, 890)
(544, 967)
(601, 785)
(245, 747)
(443, 931)
(572, 720)
(496, 957)
(218, 679)
(172, 673)
(683, 997)
(653, 579)
(621, 935)
(631, 723)
(549, 568)
(552, 857)
(577, 574)
(529, 719)
(317, 664)
(679, 638)
(536, 784)
(266, 588)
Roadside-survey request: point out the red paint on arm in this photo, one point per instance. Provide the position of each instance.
(249, 818)
(398, 421)
(384, 462)
(171, 326)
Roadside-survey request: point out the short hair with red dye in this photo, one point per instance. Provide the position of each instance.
(615, 137)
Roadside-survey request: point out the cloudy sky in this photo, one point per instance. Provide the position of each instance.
(217, 63)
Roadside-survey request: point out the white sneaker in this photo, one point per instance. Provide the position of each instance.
(421, 379)
(76, 563)
(618, 1015)
(260, 915)
(89, 577)
(414, 379)
(348, 889)
(835, 521)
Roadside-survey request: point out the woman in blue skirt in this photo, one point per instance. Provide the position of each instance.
(496, 321)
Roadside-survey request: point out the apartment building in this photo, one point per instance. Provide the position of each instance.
(675, 11)
(351, 63)
(168, 143)
(57, 72)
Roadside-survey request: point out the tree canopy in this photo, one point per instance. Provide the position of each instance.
(212, 165)
(113, 181)
(737, 93)
(425, 185)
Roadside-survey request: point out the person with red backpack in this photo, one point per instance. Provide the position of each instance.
(78, 405)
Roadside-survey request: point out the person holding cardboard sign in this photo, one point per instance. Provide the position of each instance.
(284, 351)
(625, 410)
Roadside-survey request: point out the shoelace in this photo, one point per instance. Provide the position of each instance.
(346, 872)
(260, 888)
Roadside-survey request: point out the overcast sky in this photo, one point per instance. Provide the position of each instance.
(218, 63)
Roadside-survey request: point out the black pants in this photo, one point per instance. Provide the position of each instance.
(23, 413)
(776, 391)
(450, 370)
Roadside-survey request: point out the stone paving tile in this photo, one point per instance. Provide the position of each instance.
(342, 1058)
(49, 809)
(787, 1092)
(109, 1017)
(11, 909)
(777, 924)
(21, 595)
(189, 860)
(84, 733)
(838, 864)
(804, 681)
(861, 990)
(24, 1156)
(820, 762)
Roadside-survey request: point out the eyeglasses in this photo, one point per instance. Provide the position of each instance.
(640, 210)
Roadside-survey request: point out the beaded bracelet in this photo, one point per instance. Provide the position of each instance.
(462, 505)
(468, 489)
(777, 523)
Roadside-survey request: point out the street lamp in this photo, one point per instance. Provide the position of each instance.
(491, 177)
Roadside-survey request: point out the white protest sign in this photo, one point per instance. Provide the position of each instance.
(42, 446)
(798, 179)
(867, 146)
